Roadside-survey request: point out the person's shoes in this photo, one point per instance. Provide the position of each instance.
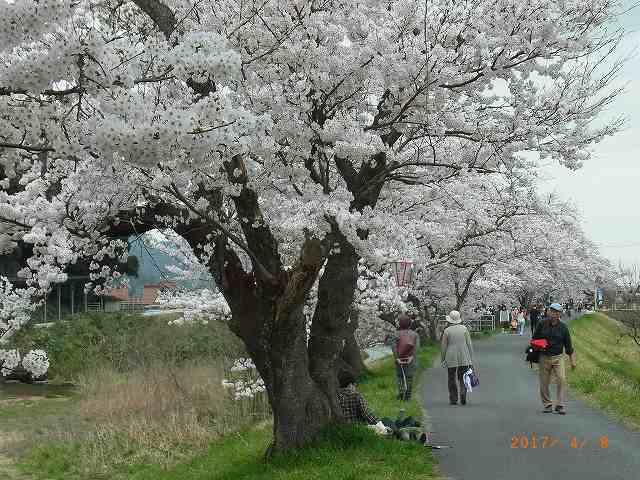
(463, 401)
(453, 402)
(548, 409)
(560, 410)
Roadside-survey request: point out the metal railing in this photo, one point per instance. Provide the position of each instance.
(131, 307)
(485, 322)
(94, 307)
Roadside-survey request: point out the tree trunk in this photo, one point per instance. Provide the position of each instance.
(300, 408)
(268, 316)
(421, 326)
(351, 355)
(332, 328)
(430, 323)
(276, 341)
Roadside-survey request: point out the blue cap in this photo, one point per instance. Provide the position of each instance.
(556, 306)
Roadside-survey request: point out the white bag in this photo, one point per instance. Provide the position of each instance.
(466, 378)
(380, 429)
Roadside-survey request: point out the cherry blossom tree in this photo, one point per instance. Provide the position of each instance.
(628, 280)
(275, 137)
(16, 308)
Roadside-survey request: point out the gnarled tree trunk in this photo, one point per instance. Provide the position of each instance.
(270, 321)
(331, 327)
(300, 408)
(351, 356)
(431, 323)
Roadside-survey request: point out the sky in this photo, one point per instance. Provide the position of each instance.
(607, 188)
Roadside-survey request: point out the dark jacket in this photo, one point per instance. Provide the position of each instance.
(558, 337)
(534, 316)
(393, 341)
(354, 407)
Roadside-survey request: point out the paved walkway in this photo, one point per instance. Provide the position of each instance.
(507, 405)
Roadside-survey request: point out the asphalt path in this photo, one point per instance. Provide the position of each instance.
(506, 409)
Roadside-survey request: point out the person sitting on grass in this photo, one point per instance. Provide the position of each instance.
(355, 409)
(353, 405)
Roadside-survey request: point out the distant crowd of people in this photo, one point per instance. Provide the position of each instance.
(515, 319)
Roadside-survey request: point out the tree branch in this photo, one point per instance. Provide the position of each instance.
(28, 148)
(162, 15)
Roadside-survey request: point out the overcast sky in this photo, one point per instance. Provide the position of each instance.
(607, 188)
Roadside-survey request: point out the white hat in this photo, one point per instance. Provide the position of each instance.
(454, 317)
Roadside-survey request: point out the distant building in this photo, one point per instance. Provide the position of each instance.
(116, 299)
(64, 299)
(145, 271)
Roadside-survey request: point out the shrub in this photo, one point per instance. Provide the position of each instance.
(125, 341)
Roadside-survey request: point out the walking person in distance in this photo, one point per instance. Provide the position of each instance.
(534, 316)
(457, 356)
(405, 346)
(504, 317)
(521, 318)
(551, 362)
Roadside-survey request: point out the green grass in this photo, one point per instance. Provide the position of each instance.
(27, 410)
(380, 389)
(608, 373)
(343, 453)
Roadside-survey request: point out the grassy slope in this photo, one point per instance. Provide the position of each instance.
(346, 453)
(608, 373)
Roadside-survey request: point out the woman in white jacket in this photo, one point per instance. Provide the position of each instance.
(457, 356)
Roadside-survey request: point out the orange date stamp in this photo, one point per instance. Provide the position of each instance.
(549, 441)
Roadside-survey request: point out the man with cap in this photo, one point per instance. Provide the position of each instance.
(551, 362)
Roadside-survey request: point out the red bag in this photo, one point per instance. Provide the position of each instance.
(406, 345)
(539, 344)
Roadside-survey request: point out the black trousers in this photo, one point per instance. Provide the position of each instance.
(404, 377)
(455, 379)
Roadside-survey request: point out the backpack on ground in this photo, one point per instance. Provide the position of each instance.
(406, 347)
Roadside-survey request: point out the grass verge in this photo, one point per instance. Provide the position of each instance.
(608, 375)
(379, 386)
(343, 453)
